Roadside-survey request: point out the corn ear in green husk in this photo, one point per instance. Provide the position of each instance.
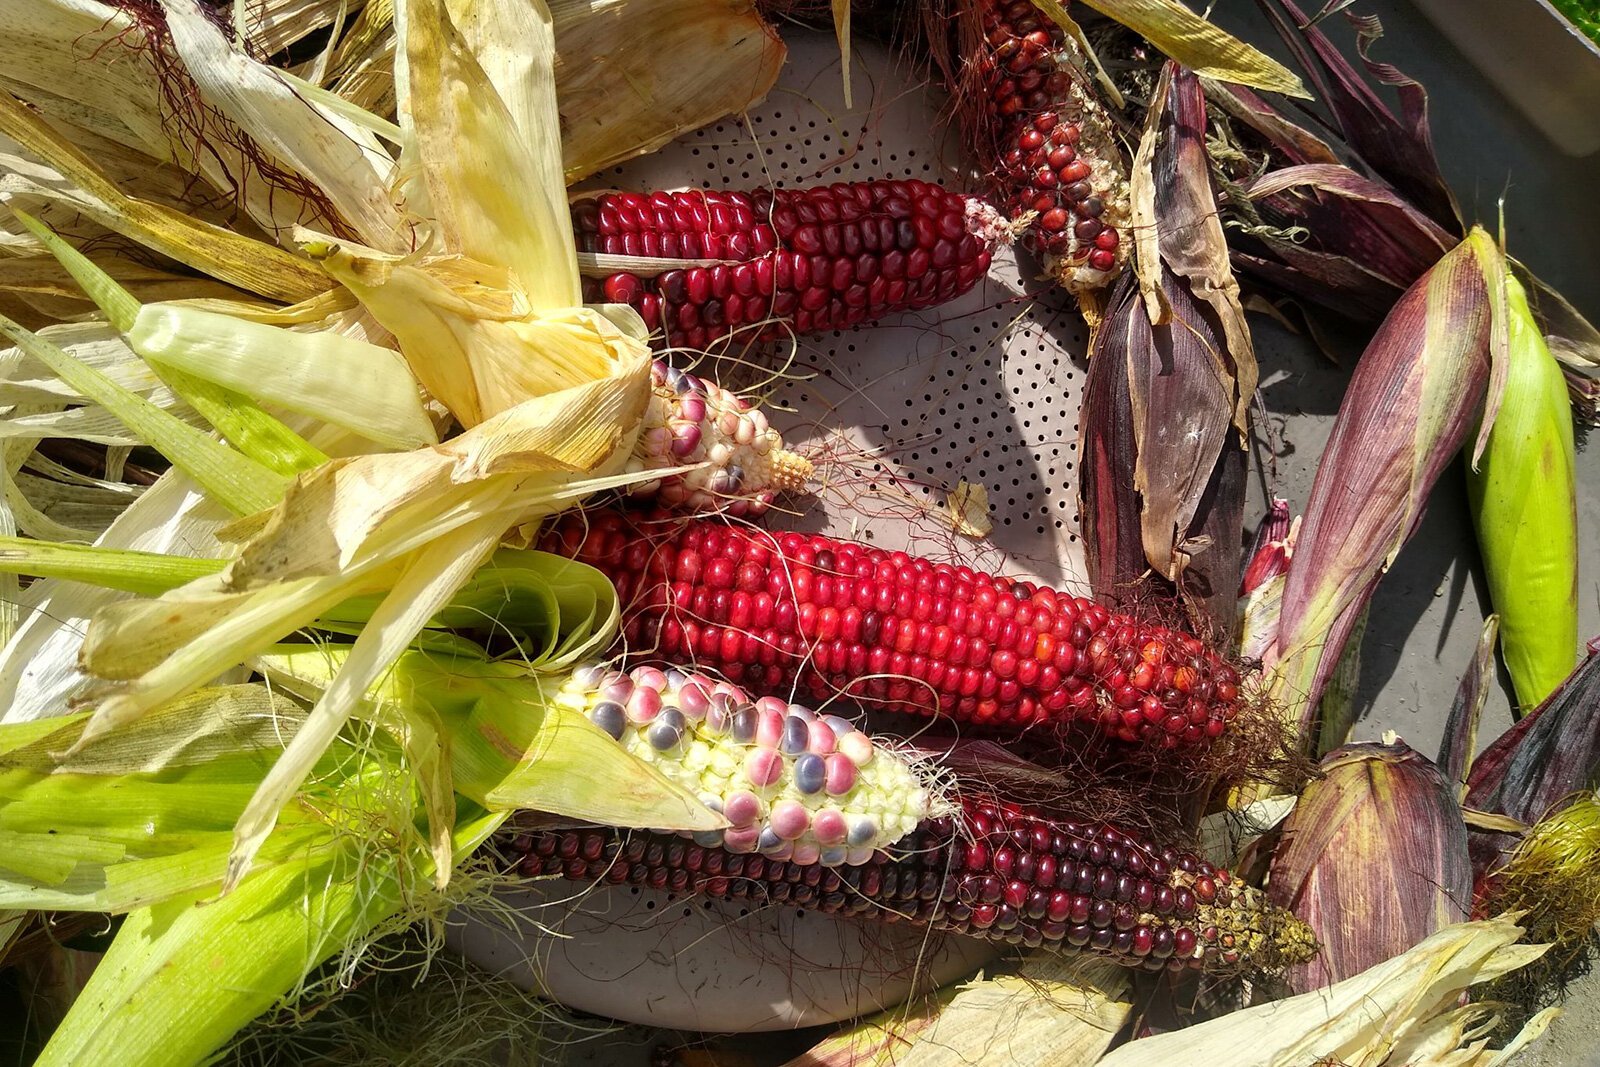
(1523, 495)
(1374, 857)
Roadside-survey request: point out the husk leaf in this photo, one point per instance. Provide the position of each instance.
(1422, 381)
(1523, 496)
(1374, 858)
(1053, 1011)
(1199, 45)
(1356, 1022)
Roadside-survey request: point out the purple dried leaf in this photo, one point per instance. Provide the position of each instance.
(1461, 728)
(1398, 148)
(1553, 752)
(1291, 140)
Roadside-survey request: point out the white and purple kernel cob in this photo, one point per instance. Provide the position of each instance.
(692, 420)
(794, 785)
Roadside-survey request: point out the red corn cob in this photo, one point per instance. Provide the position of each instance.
(810, 259)
(996, 870)
(1052, 149)
(775, 610)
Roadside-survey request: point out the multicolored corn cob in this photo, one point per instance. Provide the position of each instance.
(770, 261)
(693, 420)
(794, 785)
(1051, 142)
(993, 870)
(778, 610)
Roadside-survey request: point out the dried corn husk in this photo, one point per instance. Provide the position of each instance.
(1171, 373)
(1053, 1011)
(1421, 384)
(1523, 495)
(622, 84)
(1374, 858)
(1400, 1013)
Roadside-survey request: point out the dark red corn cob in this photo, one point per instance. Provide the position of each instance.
(996, 870)
(803, 259)
(772, 611)
(1052, 149)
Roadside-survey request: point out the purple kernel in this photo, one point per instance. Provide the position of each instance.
(666, 732)
(609, 716)
(796, 735)
(862, 831)
(744, 724)
(810, 773)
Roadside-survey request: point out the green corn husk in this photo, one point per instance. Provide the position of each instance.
(1523, 495)
(141, 820)
(1374, 858)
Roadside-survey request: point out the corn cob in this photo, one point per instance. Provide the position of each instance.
(794, 785)
(1053, 152)
(775, 610)
(693, 420)
(993, 870)
(809, 260)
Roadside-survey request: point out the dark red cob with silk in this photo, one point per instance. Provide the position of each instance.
(996, 870)
(775, 611)
(1050, 142)
(805, 260)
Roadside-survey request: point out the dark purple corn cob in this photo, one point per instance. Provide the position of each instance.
(995, 870)
(806, 260)
(782, 611)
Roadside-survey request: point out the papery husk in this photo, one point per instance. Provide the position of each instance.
(238, 260)
(39, 671)
(1432, 368)
(1378, 1018)
(1053, 1011)
(89, 67)
(1171, 373)
(623, 88)
(412, 524)
(623, 83)
(1373, 857)
(1523, 495)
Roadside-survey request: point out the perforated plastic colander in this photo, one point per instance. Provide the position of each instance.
(984, 390)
